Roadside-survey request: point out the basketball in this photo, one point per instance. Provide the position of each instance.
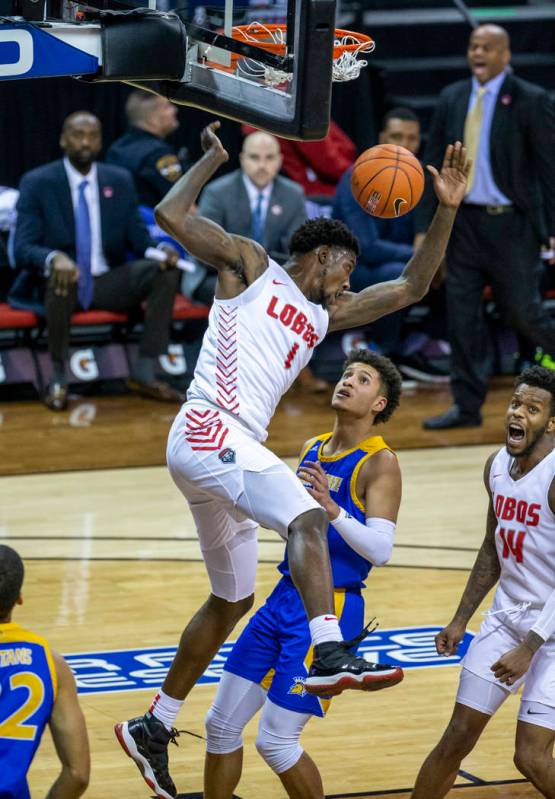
(387, 181)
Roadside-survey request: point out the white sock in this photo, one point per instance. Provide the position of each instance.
(165, 708)
(324, 628)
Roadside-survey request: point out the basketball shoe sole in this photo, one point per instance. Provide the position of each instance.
(129, 746)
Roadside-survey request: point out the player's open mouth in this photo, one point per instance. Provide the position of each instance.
(343, 393)
(515, 433)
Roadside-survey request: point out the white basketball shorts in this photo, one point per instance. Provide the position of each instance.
(499, 634)
(232, 484)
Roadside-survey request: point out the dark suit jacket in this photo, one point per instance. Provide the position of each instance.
(226, 202)
(522, 144)
(45, 219)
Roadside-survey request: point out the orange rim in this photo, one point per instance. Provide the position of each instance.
(263, 36)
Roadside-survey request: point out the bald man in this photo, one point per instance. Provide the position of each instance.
(508, 214)
(254, 201)
(143, 148)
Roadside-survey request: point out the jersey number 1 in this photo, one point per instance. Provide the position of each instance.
(290, 356)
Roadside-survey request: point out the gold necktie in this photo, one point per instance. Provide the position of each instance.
(472, 126)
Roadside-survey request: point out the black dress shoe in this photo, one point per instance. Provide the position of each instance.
(56, 397)
(453, 417)
(157, 390)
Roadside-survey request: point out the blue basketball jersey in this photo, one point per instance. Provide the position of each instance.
(349, 569)
(28, 687)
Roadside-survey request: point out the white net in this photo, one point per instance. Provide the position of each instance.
(346, 66)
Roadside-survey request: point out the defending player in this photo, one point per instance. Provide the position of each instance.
(356, 478)
(263, 327)
(516, 642)
(36, 688)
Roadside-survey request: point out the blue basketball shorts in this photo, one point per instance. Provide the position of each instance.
(275, 649)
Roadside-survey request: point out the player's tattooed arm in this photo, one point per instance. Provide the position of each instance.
(414, 282)
(484, 575)
(244, 260)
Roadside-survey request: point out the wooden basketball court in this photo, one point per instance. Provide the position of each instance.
(113, 563)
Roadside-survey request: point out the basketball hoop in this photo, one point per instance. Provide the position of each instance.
(347, 51)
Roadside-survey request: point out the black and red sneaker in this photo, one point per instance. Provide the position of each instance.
(336, 669)
(145, 739)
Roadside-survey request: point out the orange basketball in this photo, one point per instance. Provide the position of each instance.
(387, 181)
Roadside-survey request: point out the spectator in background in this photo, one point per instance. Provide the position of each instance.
(77, 221)
(386, 245)
(317, 166)
(508, 127)
(143, 150)
(50, 690)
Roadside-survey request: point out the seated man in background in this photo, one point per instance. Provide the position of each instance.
(317, 166)
(385, 247)
(143, 148)
(77, 222)
(35, 684)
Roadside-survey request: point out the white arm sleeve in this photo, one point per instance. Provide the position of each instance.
(373, 540)
(545, 625)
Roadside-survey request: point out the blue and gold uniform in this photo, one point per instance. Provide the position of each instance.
(275, 647)
(28, 686)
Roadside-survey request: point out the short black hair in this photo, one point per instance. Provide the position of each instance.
(400, 113)
(389, 375)
(539, 377)
(322, 231)
(11, 579)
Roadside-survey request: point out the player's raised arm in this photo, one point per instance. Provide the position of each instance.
(485, 573)
(201, 237)
(384, 298)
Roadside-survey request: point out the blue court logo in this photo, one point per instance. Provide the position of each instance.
(138, 669)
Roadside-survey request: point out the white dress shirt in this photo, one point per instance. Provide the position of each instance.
(253, 191)
(75, 178)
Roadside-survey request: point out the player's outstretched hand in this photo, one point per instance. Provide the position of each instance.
(448, 639)
(209, 141)
(513, 664)
(450, 182)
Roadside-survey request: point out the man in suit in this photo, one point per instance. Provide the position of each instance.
(77, 222)
(252, 201)
(508, 126)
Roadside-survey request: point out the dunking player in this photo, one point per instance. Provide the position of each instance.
(263, 326)
(354, 476)
(516, 642)
(36, 688)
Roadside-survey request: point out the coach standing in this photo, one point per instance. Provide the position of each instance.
(508, 127)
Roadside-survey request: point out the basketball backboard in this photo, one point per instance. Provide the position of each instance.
(235, 85)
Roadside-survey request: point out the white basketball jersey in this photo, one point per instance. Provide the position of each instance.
(255, 346)
(525, 532)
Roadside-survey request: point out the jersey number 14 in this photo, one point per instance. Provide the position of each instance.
(513, 543)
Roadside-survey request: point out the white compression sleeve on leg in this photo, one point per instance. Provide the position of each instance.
(373, 540)
(278, 736)
(235, 703)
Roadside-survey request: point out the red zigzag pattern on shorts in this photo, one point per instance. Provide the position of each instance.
(204, 429)
(226, 359)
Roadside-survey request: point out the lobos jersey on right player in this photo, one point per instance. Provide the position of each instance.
(525, 533)
(255, 346)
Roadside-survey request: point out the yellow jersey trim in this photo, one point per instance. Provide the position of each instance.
(12, 633)
(307, 446)
(375, 444)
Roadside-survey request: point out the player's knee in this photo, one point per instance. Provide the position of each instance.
(529, 760)
(280, 752)
(459, 739)
(228, 611)
(313, 521)
(222, 736)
